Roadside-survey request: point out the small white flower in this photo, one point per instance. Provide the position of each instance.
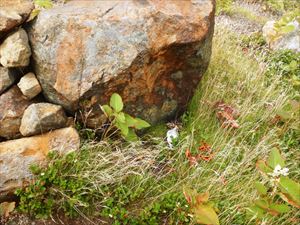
(42, 174)
(285, 171)
(171, 135)
(277, 168)
(278, 171)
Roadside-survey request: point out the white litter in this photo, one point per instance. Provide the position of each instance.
(172, 135)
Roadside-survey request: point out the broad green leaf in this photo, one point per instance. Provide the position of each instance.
(116, 102)
(280, 208)
(47, 4)
(262, 190)
(262, 203)
(120, 117)
(130, 121)
(123, 128)
(33, 14)
(262, 166)
(288, 199)
(291, 190)
(256, 211)
(131, 136)
(107, 110)
(205, 214)
(275, 159)
(140, 124)
(288, 28)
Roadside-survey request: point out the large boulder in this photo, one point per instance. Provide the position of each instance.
(152, 53)
(16, 156)
(13, 13)
(12, 106)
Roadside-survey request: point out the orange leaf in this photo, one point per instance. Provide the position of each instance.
(202, 198)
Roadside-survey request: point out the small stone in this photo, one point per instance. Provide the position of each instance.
(41, 117)
(15, 50)
(7, 78)
(29, 86)
(16, 156)
(12, 106)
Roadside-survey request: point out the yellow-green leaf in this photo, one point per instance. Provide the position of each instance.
(47, 4)
(275, 159)
(33, 14)
(140, 124)
(107, 110)
(262, 166)
(116, 102)
(123, 128)
(121, 117)
(131, 136)
(291, 190)
(262, 190)
(130, 121)
(205, 214)
(280, 208)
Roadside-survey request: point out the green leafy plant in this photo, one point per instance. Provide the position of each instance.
(171, 205)
(54, 189)
(254, 40)
(278, 186)
(286, 64)
(122, 121)
(284, 24)
(224, 5)
(202, 210)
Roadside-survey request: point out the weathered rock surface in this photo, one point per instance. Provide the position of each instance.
(152, 53)
(7, 78)
(13, 13)
(290, 40)
(29, 85)
(41, 117)
(15, 50)
(16, 156)
(12, 107)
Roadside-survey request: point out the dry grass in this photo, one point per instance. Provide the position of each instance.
(237, 79)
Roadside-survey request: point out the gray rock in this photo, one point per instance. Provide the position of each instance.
(15, 50)
(12, 106)
(7, 78)
(16, 156)
(13, 13)
(86, 50)
(29, 85)
(41, 117)
(286, 41)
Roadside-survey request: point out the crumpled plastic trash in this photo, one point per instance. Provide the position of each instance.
(172, 135)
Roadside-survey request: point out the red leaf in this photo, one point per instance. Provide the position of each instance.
(226, 114)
